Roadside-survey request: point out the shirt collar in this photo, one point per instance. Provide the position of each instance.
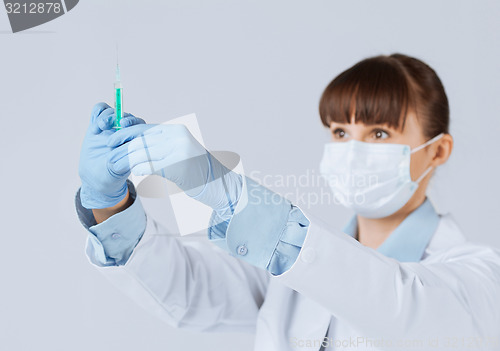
(408, 241)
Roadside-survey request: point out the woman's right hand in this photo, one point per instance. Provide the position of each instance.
(101, 186)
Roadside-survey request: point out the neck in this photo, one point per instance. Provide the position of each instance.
(372, 232)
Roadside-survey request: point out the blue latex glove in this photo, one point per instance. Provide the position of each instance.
(172, 152)
(102, 187)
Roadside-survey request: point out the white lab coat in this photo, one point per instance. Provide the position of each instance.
(448, 301)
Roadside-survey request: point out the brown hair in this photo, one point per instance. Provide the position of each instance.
(382, 90)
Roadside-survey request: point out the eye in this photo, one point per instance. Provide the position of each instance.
(379, 134)
(339, 133)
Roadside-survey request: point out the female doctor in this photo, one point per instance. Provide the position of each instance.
(399, 275)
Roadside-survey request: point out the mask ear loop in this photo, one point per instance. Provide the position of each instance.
(437, 137)
(424, 174)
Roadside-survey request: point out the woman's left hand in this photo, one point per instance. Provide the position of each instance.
(172, 152)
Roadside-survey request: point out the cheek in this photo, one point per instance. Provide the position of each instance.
(418, 164)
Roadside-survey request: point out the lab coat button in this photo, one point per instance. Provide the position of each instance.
(115, 235)
(308, 255)
(242, 250)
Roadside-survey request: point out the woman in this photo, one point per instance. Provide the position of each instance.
(399, 275)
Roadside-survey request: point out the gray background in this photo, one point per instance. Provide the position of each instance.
(253, 72)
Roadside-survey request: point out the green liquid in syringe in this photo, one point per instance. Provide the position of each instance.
(118, 107)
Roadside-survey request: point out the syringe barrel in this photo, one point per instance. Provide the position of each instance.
(118, 104)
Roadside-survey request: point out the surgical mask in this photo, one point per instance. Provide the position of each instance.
(373, 179)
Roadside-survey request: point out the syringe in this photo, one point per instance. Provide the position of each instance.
(118, 98)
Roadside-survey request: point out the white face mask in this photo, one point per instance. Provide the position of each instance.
(373, 179)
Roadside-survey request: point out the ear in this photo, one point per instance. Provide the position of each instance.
(442, 150)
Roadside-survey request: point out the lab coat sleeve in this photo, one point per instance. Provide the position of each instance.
(453, 298)
(192, 285)
(275, 249)
(112, 241)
